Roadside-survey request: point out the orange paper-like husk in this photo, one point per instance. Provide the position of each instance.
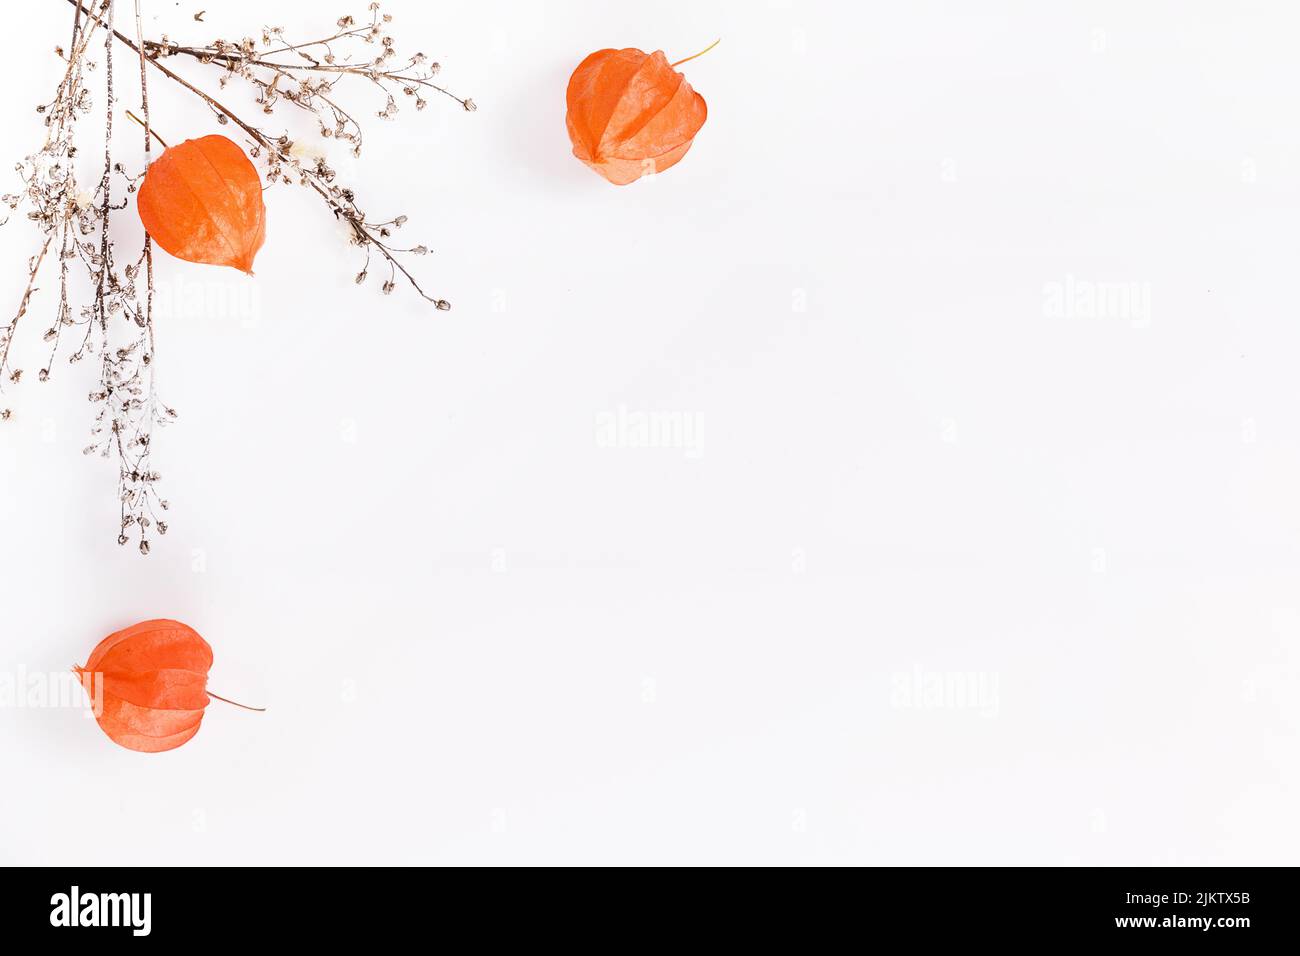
(152, 680)
(201, 201)
(630, 114)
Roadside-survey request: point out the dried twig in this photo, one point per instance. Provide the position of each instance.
(287, 163)
(117, 325)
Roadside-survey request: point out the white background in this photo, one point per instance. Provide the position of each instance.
(485, 636)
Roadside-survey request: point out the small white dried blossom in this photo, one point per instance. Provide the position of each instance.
(307, 152)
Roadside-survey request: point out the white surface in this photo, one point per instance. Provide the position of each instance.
(486, 637)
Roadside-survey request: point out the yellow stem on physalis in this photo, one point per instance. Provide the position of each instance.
(701, 53)
(149, 128)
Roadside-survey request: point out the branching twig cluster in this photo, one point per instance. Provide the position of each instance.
(116, 325)
(307, 75)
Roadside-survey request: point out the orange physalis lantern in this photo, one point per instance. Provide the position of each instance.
(201, 201)
(630, 113)
(148, 685)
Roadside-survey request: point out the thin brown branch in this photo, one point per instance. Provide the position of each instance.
(355, 222)
(12, 327)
